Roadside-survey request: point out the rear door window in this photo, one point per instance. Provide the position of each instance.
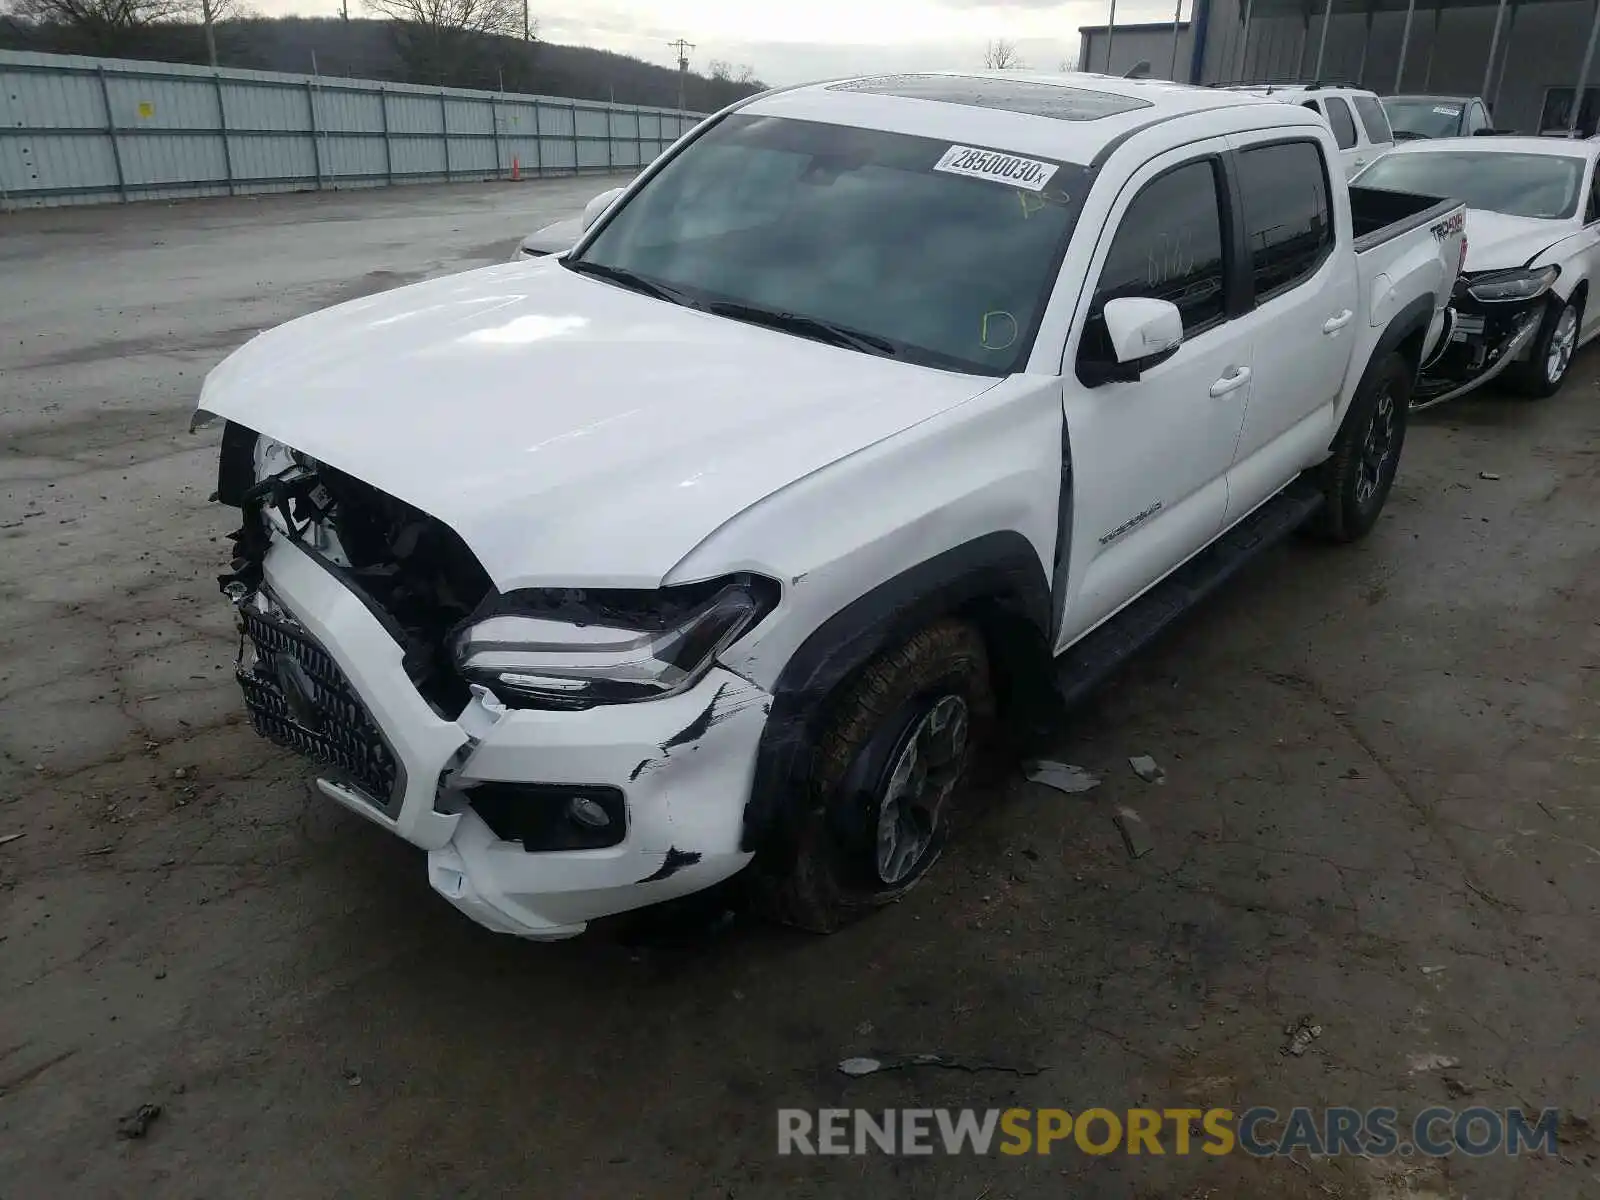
(1288, 217)
(1344, 125)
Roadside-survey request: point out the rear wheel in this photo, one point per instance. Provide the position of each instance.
(889, 769)
(1356, 478)
(1546, 369)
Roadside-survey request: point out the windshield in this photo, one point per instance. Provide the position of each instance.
(1519, 185)
(912, 247)
(1424, 118)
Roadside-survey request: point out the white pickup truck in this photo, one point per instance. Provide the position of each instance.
(870, 411)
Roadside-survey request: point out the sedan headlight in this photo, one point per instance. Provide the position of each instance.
(1492, 287)
(576, 649)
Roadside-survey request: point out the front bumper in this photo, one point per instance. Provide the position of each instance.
(684, 765)
(1481, 341)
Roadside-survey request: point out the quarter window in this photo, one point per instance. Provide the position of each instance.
(1373, 119)
(1288, 218)
(1344, 125)
(1169, 247)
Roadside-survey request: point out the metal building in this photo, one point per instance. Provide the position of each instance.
(1524, 57)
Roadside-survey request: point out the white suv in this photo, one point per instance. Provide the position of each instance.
(1363, 134)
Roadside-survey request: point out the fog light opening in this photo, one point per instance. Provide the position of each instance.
(587, 813)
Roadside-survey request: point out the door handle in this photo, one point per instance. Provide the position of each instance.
(1236, 378)
(1334, 324)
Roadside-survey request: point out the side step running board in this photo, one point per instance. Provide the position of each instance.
(1088, 663)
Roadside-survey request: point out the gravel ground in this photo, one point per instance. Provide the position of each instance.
(1381, 811)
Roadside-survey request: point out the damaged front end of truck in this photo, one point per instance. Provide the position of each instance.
(1491, 323)
(502, 732)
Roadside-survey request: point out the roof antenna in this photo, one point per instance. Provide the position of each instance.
(1139, 70)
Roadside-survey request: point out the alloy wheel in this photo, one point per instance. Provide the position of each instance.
(1562, 343)
(916, 786)
(1377, 448)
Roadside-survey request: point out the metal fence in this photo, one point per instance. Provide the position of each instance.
(79, 130)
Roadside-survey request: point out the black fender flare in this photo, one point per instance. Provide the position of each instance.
(1413, 318)
(996, 578)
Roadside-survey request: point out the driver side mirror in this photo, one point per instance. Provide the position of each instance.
(1143, 332)
(592, 210)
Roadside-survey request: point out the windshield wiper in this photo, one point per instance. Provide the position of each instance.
(1405, 135)
(630, 280)
(811, 327)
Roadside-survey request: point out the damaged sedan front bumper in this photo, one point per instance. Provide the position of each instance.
(1491, 322)
(535, 821)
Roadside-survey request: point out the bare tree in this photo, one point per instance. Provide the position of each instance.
(99, 21)
(728, 83)
(1001, 55)
(132, 27)
(208, 13)
(438, 40)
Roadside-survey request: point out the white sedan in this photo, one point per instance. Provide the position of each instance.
(1522, 305)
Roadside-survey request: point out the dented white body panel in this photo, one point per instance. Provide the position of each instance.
(577, 435)
(532, 409)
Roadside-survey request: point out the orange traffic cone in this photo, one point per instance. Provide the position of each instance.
(516, 169)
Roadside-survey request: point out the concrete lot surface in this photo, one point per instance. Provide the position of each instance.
(1381, 812)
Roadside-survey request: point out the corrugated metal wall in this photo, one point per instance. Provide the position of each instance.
(86, 130)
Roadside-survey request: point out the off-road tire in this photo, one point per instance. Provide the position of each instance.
(831, 880)
(1532, 378)
(1348, 509)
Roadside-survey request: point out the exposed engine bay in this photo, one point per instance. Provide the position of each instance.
(413, 570)
(1481, 339)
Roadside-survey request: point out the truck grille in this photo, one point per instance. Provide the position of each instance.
(299, 698)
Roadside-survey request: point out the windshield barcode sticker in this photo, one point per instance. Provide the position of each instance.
(998, 168)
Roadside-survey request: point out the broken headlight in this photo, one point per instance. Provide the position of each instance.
(1493, 287)
(552, 648)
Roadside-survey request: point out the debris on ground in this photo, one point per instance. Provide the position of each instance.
(856, 1067)
(1064, 777)
(1135, 833)
(10, 837)
(1301, 1035)
(1416, 1064)
(1489, 475)
(137, 1123)
(1431, 970)
(352, 1078)
(1147, 769)
(1458, 1088)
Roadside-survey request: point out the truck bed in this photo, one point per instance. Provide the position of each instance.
(1380, 215)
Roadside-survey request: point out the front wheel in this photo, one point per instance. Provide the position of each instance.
(1551, 355)
(890, 763)
(1356, 478)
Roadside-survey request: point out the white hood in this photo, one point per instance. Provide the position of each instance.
(1497, 242)
(572, 432)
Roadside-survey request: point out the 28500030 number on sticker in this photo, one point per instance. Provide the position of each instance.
(996, 167)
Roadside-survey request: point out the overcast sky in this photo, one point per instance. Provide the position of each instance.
(790, 41)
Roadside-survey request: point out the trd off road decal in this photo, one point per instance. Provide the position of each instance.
(1450, 225)
(996, 167)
